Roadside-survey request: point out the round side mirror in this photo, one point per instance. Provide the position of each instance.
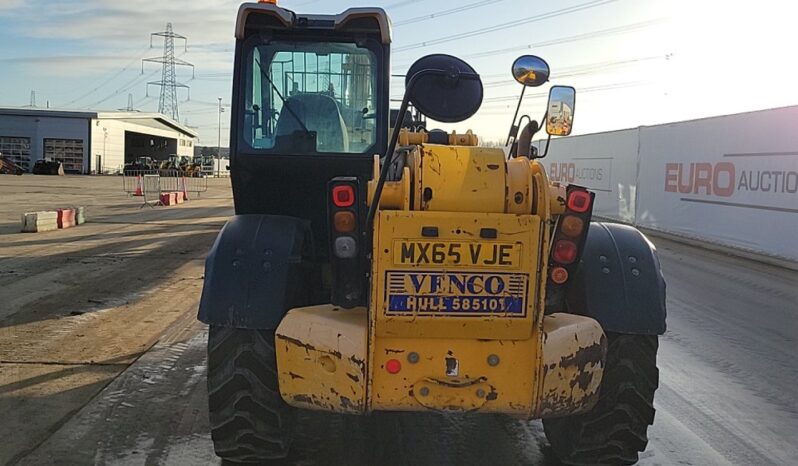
(530, 70)
(447, 89)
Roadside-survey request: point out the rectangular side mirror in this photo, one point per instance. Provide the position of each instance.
(560, 110)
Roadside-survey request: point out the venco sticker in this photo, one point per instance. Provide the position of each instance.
(458, 293)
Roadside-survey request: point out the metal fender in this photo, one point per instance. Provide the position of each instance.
(255, 272)
(619, 282)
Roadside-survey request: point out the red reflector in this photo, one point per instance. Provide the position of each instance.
(559, 275)
(393, 366)
(579, 201)
(343, 195)
(564, 251)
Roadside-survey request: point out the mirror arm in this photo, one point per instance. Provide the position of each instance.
(514, 146)
(548, 143)
(389, 153)
(386, 164)
(388, 159)
(512, 125)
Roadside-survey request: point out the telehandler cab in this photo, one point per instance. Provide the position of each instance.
(436, 275)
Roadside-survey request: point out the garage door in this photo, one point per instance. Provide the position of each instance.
(17, 150)
(67, 151)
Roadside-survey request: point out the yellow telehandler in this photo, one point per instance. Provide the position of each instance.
(376, 265)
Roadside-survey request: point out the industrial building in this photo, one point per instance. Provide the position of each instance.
(90, 142)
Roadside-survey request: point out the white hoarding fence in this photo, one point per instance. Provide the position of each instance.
(730, 180)
(605, 163)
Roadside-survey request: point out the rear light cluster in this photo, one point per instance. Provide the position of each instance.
(348, 273)
(570, 234)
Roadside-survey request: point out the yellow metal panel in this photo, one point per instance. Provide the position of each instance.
(462, 179)
(519, 186)
(414, 163)
(409, 138)
(574, 353)
(542, 210)
(436, 298)
(456, 375)
(321, 358)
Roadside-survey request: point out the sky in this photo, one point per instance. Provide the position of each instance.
(632, 62)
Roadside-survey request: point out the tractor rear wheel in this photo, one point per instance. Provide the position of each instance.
(615, 431)
(250, 422)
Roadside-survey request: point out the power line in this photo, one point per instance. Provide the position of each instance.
(507, 25)
(569, 71)
(200, 111)
(588, 69)
(124, 88)
(401, 4)
(108, 80)
(448, 12)
(581, 90)
(205, 102)
(580, 70)
(141, 101)
(564, 40)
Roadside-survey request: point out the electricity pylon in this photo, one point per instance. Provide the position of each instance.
(168, 83)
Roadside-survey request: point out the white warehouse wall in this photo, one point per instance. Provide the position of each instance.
(108, 141)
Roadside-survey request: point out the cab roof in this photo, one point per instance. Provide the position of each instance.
(353, 19)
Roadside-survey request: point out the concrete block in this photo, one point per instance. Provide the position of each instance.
(80, 215)
(33, 222)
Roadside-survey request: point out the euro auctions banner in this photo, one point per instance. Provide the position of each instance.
(731, 180)
(605, 163)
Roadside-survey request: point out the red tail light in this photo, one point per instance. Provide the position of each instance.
(570, 235)
(343, 195)
(347, 259)
(565, 251)
(579, 201)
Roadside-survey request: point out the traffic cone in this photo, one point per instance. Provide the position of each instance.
(139, 186)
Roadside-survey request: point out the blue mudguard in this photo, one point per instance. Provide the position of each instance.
(619, 281)
(255, 271)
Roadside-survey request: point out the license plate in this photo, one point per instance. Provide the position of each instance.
(457, 253)
(460, 293)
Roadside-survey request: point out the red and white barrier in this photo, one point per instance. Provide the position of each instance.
(173, 198)
(33, 222)
(66, 218)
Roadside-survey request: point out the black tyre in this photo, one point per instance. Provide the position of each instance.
(250, 422)
(615, 431)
